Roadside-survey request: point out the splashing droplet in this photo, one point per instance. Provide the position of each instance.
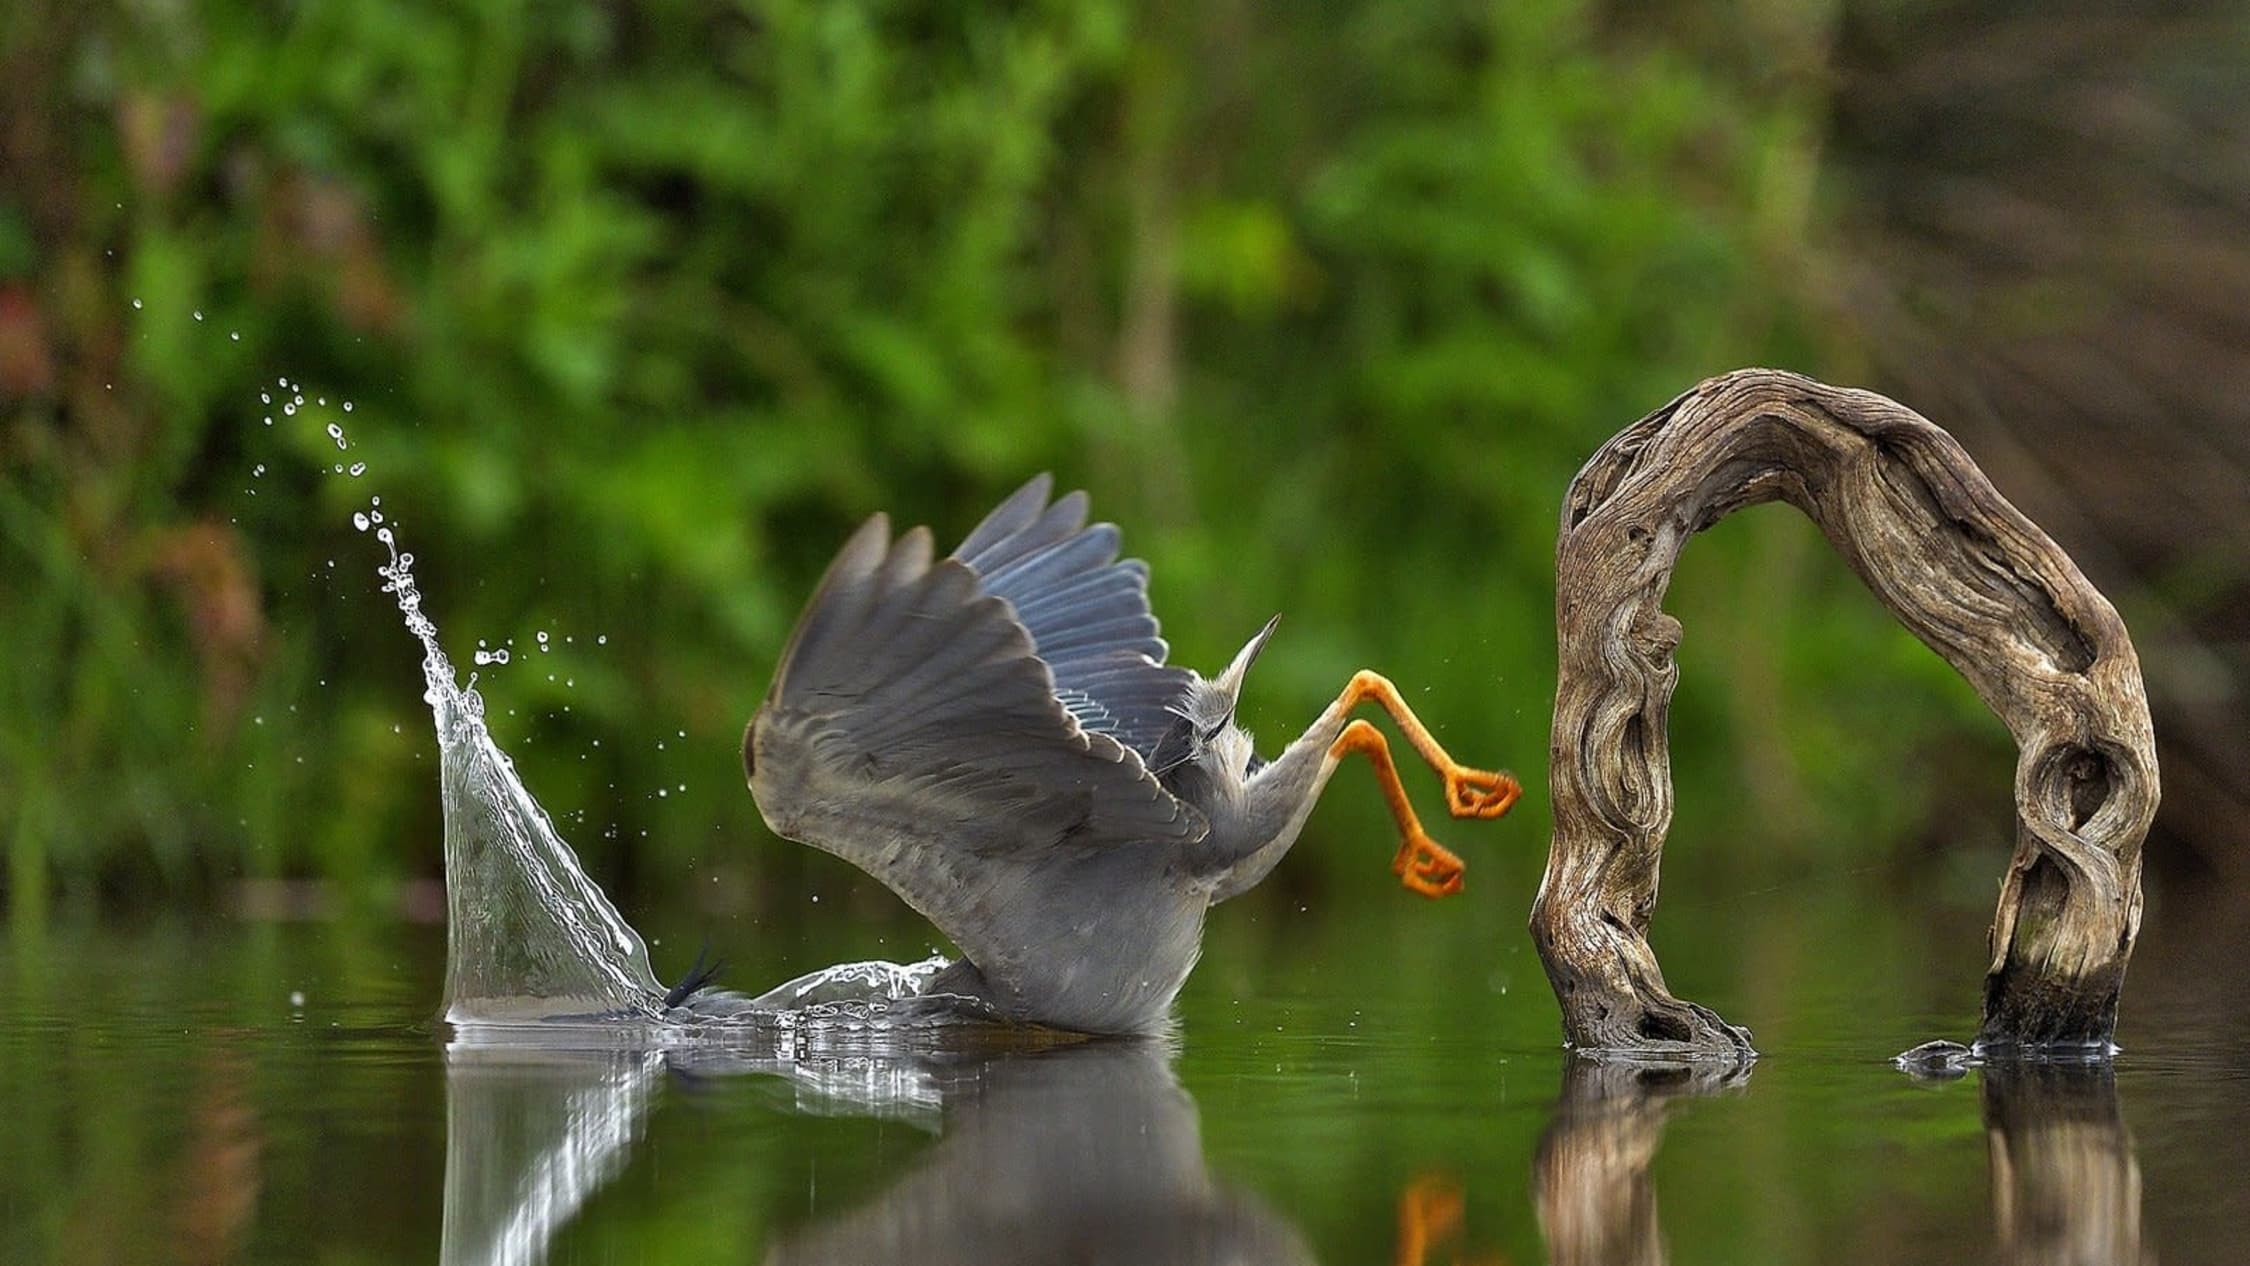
(358, 469)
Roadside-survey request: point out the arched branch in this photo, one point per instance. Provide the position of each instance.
(1970, 575)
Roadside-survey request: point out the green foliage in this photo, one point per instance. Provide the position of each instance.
(639, 310)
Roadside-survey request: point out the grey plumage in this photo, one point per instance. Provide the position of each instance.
(978, 733)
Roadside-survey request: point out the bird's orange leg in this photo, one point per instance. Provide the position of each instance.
(1422, 864)
(1469, 793)
(1429, 1212)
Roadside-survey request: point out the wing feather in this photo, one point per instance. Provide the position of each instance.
(913, 730)
(1086, 612)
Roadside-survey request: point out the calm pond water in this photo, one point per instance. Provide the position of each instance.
(1360, 1078)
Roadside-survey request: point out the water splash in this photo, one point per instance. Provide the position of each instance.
(533, 943)
(529, 937)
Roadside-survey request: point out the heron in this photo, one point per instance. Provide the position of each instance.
(997, 737)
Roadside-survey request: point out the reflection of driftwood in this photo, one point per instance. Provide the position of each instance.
(1978, 582)
(2065, 1186)
(1596, 1202)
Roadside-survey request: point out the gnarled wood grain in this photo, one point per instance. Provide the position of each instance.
(1973, 578)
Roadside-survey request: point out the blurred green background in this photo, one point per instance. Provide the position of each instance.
(641, 308)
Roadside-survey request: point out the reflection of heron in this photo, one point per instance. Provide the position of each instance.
(1597, 1204)
(996, 737)
(1088, 1152)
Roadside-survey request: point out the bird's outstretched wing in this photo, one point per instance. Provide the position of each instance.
(912, 731)
(1087, 613)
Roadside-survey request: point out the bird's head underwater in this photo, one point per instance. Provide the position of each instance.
(1205, 744)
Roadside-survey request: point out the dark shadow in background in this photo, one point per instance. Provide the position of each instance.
(1090, 1153)
(2066, 1186)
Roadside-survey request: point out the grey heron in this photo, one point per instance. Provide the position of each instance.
(996, 736)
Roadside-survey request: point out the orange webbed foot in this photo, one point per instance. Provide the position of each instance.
(1475, 793)
(1425, 866)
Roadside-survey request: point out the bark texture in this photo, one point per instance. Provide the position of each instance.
(1973, 578)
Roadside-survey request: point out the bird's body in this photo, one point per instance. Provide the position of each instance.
(996, 737)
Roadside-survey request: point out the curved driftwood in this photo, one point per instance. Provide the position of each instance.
(1972, 577)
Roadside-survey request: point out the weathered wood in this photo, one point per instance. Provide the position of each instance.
(1973, 578)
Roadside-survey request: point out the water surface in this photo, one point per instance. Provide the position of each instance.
(1351, 1080)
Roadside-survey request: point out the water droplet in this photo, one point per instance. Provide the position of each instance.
(288, 410)
(199, 314)
(258, 469)
(347, 406)
(281, 382)
(234, 336)
(339, 468)
(602, 640)
(358, 469)
(269, 419)
(359, 520)
(661, 793)
(296, 997)
(324, 402)
(376, 515)
(265, 397)
(336, 433)
(374, 501)
(136, 305)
